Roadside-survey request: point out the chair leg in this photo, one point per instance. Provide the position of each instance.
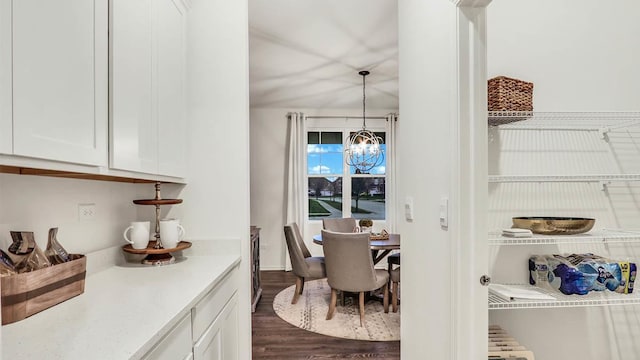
(385, 299)
(332, 304)
(361, 308)
(298, 290)
(394, 297)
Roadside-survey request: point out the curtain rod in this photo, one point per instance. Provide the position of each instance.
(346, 117)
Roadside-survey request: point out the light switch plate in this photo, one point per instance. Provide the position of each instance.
(408, 209)
(444, 212)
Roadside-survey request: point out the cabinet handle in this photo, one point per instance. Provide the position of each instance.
(485, 280)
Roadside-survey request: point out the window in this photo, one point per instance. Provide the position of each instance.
(335, 189)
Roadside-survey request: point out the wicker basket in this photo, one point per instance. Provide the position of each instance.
(511, 98)
(508, 94)
(383, 235)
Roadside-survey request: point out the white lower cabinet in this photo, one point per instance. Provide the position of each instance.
(215, 324)
(176, 345)
(209, 331)
(220, 340)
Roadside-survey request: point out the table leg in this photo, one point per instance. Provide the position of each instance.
(377, 256)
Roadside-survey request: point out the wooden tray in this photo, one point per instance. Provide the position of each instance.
(157, 201)
(152, 250)
(157, 256)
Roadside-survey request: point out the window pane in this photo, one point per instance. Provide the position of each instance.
(313, 137)
(332, 138)
(368, 198)
(325, 197)
(325, 157)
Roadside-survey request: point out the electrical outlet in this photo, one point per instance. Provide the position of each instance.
(86, 212)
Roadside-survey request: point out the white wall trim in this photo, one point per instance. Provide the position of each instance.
(468, 226)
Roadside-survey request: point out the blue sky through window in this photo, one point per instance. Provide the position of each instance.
(328, 159)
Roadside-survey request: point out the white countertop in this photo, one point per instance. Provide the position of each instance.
(122, 313)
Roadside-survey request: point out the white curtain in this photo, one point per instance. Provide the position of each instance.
(392, 196)
(295, 176)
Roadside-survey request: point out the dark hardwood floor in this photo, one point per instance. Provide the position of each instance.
(275, 339)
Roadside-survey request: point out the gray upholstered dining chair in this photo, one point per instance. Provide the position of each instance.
(341, 225)
(350, 268)
(395, 280)
(304, 265)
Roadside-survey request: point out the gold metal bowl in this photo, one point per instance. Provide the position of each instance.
(551, 225)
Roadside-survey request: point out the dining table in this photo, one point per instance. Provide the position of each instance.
(379, 247)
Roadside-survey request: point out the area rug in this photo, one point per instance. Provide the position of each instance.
(311, 311)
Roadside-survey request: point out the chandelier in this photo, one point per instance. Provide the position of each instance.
(362, 148)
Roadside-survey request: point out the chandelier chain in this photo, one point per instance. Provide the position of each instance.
(364, 98)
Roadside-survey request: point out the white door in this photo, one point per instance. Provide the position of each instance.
(172, 126)
(6, 135)
(134, 133)
(60, 80)
(220, 340)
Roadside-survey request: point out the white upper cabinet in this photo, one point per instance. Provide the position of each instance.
(134, 139)
(148, 127)
(172, 125)
(6, 132)
(59, 63)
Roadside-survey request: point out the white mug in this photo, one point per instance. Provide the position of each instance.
(171, 233)
(139, 234)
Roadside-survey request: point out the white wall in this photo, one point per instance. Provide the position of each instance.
(427, 97)
(37, 203)
(268, 179)
(581, 56)
(216, 199)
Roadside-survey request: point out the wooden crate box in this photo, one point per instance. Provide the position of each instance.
(28, 293)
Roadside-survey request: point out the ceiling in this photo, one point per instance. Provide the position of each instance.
(307, 53)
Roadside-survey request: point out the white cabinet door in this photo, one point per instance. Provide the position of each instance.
(60, 79)
(220, 340)
(176, 345)
(6, 132)
(172, 126)
(133, 128)
(148, 127)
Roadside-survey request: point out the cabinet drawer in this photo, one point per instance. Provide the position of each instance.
(210, 306)
(175, 345)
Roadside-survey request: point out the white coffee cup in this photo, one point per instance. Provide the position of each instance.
(171, 233)
(139, 234)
